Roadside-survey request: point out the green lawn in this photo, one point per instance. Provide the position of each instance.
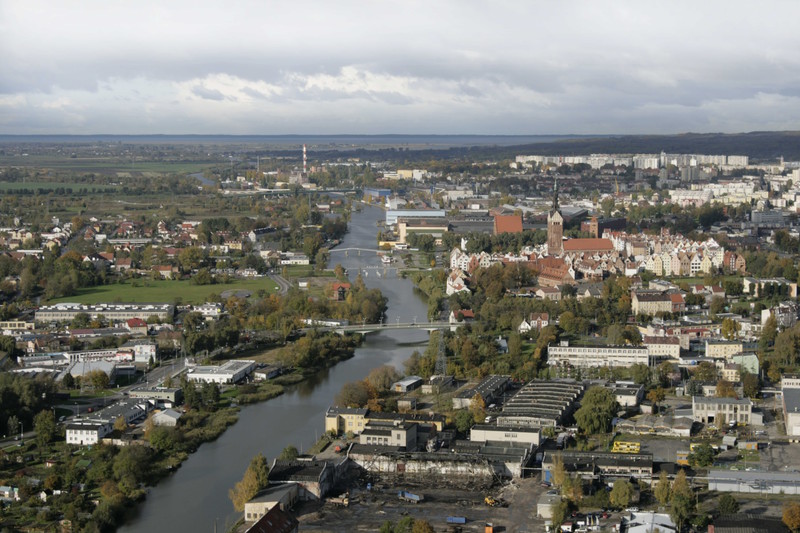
(168, 291)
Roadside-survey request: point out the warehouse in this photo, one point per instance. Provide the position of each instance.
(754, 482)
(489, 389)
(541, 403)
(231, 372)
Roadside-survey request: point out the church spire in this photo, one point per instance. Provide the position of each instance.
(555, 194)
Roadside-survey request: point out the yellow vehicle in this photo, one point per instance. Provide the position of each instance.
(626, 447)
(494, 502)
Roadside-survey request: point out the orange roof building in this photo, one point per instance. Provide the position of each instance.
(507, 224)
(588, 245)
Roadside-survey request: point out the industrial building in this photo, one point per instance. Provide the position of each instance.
(392, 215)
(489, 389)
(791, 405)
(508, 434)
(591, 464)
(541, 403)
(597, 356)
(64, 312)
(709, 410)
(232, 371)
(754, 482)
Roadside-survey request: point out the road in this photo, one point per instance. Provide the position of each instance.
(283, 285)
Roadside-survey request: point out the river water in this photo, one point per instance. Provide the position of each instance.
(196, 496)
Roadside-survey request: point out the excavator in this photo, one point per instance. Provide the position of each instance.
(495, 502)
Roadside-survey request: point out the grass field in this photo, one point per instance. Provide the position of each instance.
(50, 186)
(167, 291)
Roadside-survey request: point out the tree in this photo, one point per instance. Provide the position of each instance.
(621, 493)
(559, 471)
(463, 420)
(662, 490)
(12, 425)
(725, 389)
(98, 379)
(289, 453)
(254, 479)
(598, 408)
(210, 394)
(422, 526)
(716, 306)
(730, 328)
(572, 489)
(791, 516)
(640, 373)
(656, 396)
(769, 332)
(702, 456)
(44, 424)
(751, 385)
(682, 503)
(68, 382)
(120, 424)
(382, 378)
(477, 407)
(728, 504)
(705, 371)
(353, 394)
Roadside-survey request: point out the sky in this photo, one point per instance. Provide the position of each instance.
(405, 66)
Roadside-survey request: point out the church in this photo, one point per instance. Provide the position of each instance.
(557, 246)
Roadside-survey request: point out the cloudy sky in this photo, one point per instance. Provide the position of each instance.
(327, 67)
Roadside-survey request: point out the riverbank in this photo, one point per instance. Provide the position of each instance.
(296, 416)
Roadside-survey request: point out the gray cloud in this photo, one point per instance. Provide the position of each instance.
(444, 67)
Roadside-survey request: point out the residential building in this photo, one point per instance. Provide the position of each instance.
(663, 348)
(87, 432)
(650, 302)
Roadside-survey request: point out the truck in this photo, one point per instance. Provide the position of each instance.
(456, 520)
(410, 496)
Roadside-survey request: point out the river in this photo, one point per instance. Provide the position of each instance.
(195, 498)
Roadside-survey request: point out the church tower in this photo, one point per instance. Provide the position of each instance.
(555, 226)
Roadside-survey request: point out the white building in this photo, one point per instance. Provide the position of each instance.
(597, 356)
(87, 432)
(232, 371)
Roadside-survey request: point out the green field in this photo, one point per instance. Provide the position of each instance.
(167, 291)
(50, 186)
(107, 165)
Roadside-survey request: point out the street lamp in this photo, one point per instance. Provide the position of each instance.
(21, 434)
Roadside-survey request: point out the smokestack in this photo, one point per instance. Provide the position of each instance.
(304, 159)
